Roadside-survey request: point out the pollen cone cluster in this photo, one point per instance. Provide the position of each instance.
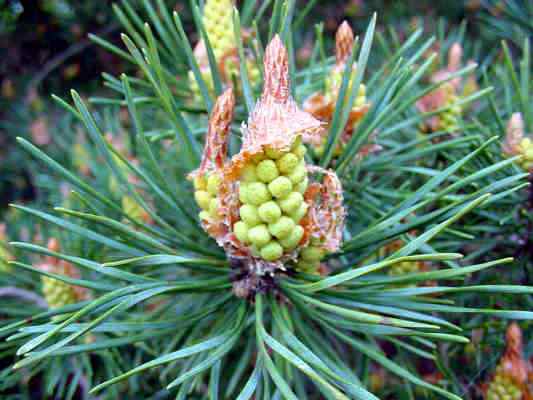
(449, 119)
(58, 293)
(445, 96)
(322, 105)
(516, 144)
(261, 205)
(510, 381)
(206, 195)
(218, 23)
(271, 188)
(503, 388)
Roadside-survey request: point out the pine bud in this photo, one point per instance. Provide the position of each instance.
(301, 187)
(510, 380)
(282, 228)
(516, 143)
(203, 199)
(268, 210)
(250, 215)
(322, 105)
(310, 267)
(298, 174)
(241, 232)
(297, 215)
(57, 293)
(249, 174)
(446, 95)
(267, 171)
(502, 387)
(291, 241)
(300, 151)
(200, 183)
(291, 202)
(213, 184)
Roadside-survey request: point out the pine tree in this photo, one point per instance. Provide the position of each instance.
(252, 264)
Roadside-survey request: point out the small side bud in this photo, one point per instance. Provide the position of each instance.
(455, 56)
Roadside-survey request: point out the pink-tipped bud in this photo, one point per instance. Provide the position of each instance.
(276, 63)
(513, 361)
(455, 56)
(343, 43)
(53, 245)
(514, 134)
(277, 120)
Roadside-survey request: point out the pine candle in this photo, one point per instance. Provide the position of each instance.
(322, 105)
(445, 97)
(218, 22)
(262, 205)
(511, 378)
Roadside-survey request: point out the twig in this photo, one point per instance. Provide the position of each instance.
(10, 291)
